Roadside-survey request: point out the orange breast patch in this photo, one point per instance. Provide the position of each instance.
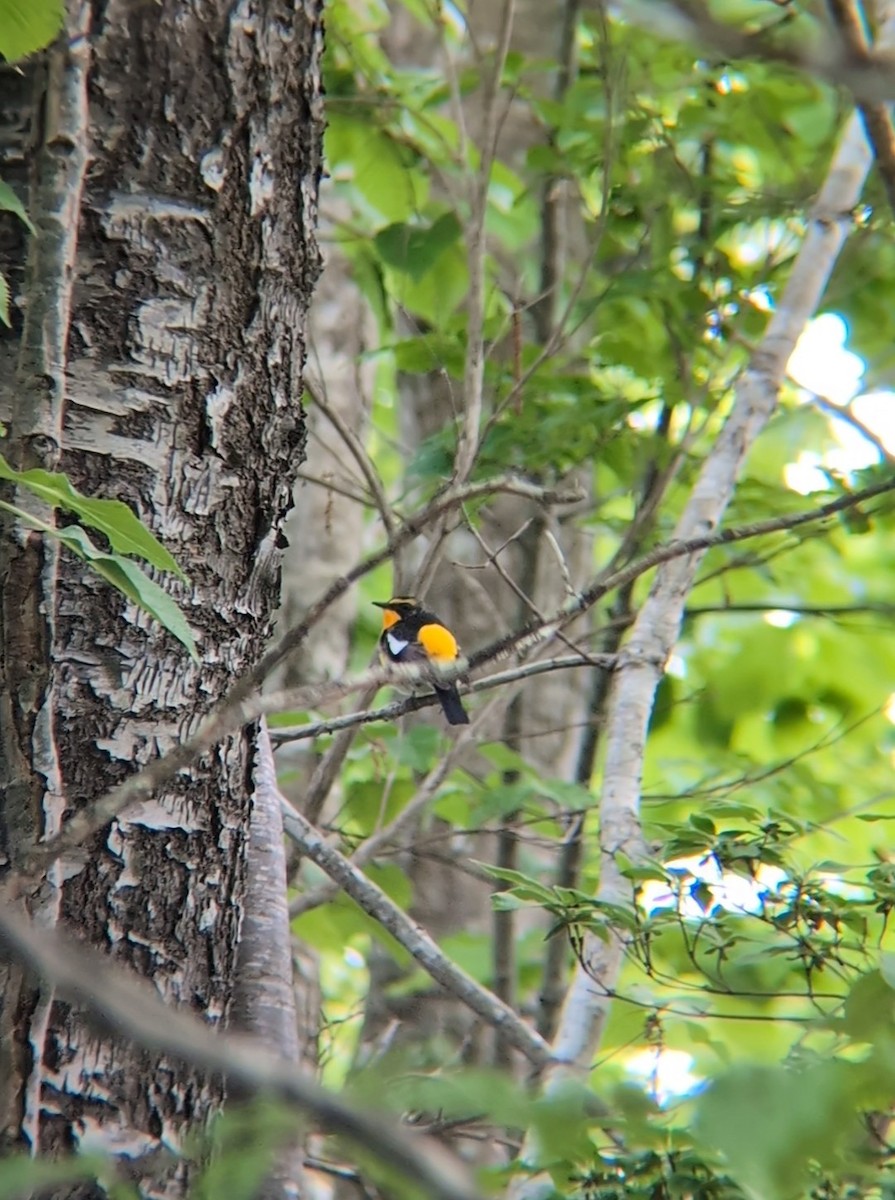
(439, 643)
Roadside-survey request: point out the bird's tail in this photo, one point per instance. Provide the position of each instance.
(451, 704)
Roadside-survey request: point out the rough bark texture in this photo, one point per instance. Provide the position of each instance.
(169, 156)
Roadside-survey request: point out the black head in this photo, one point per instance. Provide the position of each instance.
(402, 605)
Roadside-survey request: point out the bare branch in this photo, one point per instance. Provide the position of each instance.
(360, 456)
(668, 552)
(327, 770)
(263, 992)
(332, 486)
(415, 940)
(411, 527)
(263, 1000)
(801, 610)
(840, 412)
(397, 708)
(387, 835)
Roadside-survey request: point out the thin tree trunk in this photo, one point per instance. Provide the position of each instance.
(263, 995)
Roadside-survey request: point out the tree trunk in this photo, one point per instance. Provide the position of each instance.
(170, 157)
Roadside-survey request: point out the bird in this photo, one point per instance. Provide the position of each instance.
(412, 634)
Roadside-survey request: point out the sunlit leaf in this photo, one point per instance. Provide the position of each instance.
(27, 26)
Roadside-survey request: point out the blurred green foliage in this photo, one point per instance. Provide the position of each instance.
(770, 756)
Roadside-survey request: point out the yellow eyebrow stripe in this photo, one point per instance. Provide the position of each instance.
(438, 642)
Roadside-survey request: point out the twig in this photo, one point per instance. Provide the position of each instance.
(552, 246)
(328, 768)
(332, 486)
(843, 413)
(474, 369)
(431, 558)
(521, 593)
(412, 527)
(391, 712)
(801, 610)
(533, 633)
(360, 456)
(384, 837)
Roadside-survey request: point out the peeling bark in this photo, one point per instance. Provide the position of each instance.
(171, 157)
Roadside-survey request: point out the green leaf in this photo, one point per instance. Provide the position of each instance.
(641, 872)
(700, 1036)
(503, 799)
(9, 201)
(124, 575)
(378, 165)
(394, 882)
(869, 1007)
(4, 301)
(21, 1175)
(703, 824)
(126, 532)
(572, 796)
(773, 1124)
(435, 295)
(514, 877)
(27, 26)
(563, 1119)
(418, 748)
(244, 1140)
(131, 579)
(508, 902)
(414, 250)
(505, 759)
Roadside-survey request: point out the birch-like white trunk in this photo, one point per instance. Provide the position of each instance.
(655, 632)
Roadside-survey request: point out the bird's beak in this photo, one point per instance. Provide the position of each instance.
(380, 603)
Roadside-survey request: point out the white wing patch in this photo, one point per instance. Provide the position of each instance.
(396, 644)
